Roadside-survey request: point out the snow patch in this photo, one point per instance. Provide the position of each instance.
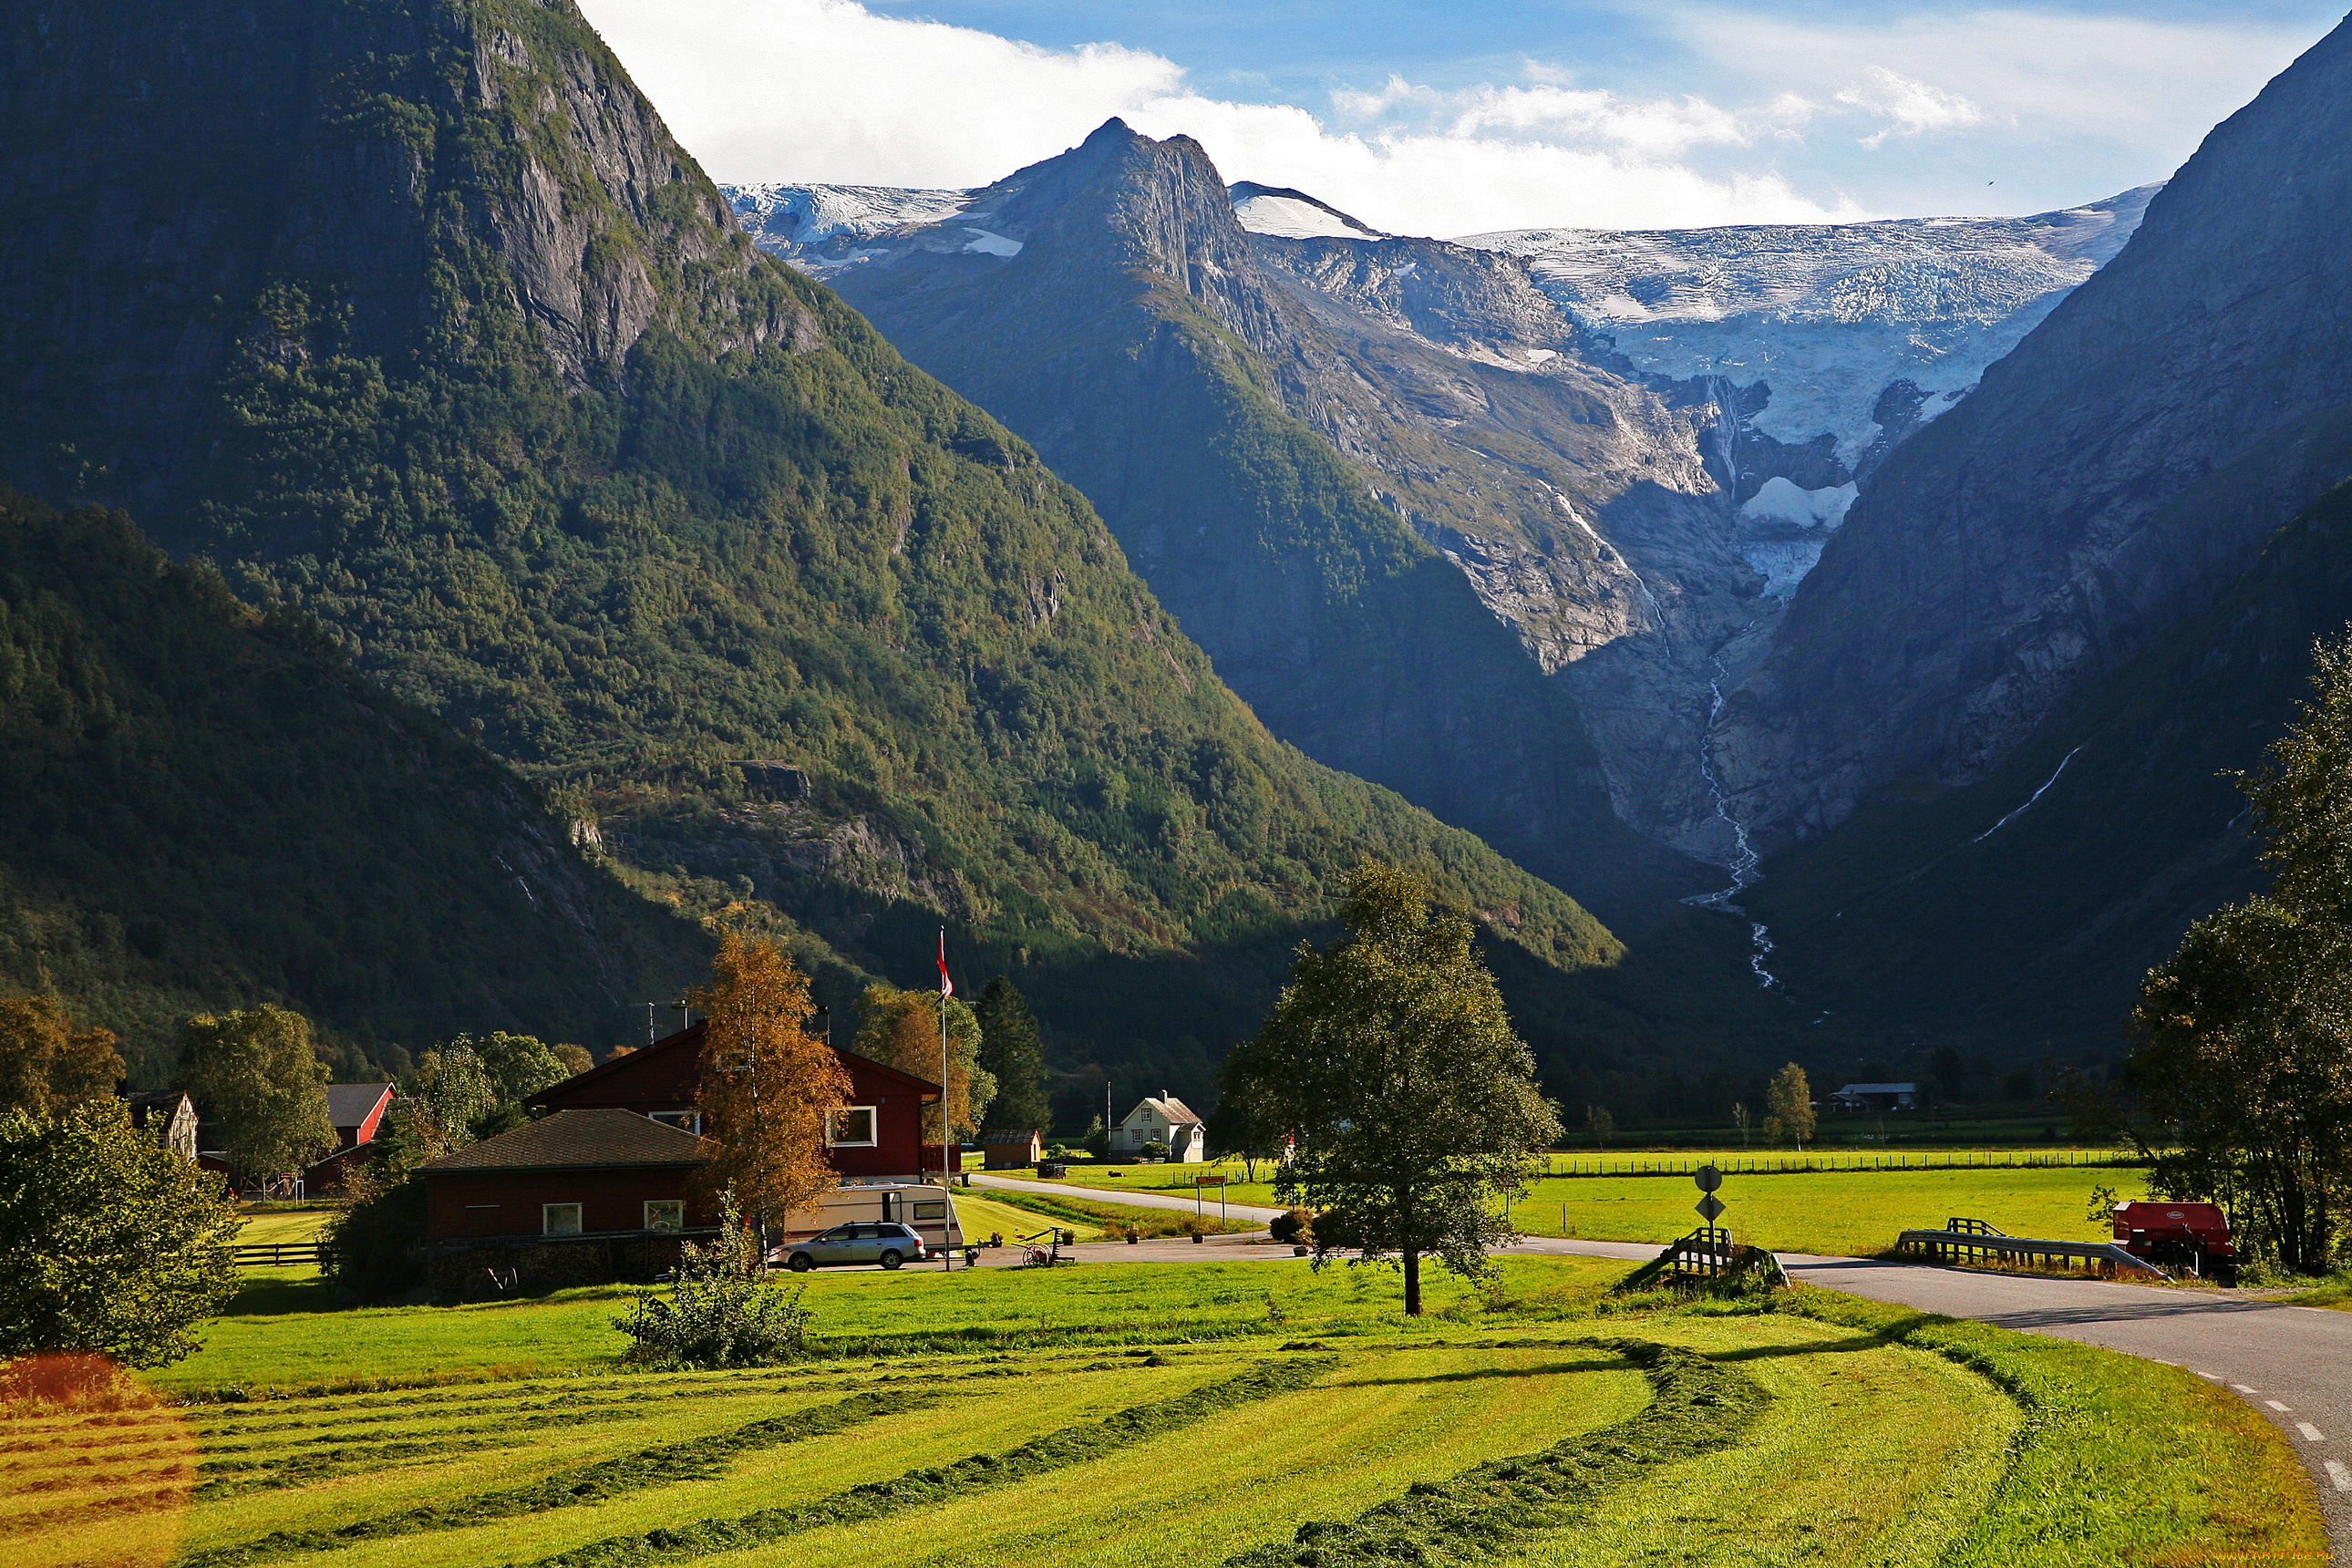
(1290, 218)
(1782, 502)
(989, 244)
(805, 214)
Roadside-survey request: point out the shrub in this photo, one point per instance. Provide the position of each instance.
(720, 1310)
(1291, 1225)
(1099, 1139)
(1154, 1150)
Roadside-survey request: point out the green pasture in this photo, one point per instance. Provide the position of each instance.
(1115, 1413)
(1855, 1212)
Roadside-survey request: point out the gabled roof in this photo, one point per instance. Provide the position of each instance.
(1170, 1110)
(1010, 1136)
(689, 1040)
(1880, 1088)
(578, 1140)
(147, 1102)
(350, 1104)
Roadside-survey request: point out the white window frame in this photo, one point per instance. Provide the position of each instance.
(676, 1208)
(547, 1219)
(872, 1137)
(684, 1120)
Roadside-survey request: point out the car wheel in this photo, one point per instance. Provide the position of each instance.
(890, 1261)
(799, 1263)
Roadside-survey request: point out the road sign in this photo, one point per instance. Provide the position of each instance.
(1710, 1207)
(1208, 1180)
(1708, 1178)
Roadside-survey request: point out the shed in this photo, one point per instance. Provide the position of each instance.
(1877, 1097)
(573, 1174)
(1011, 1151)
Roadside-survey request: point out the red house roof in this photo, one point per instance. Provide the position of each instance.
(667, 1070)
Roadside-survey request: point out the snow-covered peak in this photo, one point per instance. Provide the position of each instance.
(1293, 215)
(808, 214)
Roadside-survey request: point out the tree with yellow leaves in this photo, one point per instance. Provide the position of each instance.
(46, 1063)
(901, 1029)
(769, 1087)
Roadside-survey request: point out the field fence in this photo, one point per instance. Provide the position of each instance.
(1798, 1164)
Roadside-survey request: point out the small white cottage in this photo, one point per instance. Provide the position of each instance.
(1165, 1121)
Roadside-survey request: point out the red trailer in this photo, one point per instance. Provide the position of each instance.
(2194, 1236)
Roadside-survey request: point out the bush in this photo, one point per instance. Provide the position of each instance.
(1291, 1225)
(1099, 1139)
(1154, 1150)
(368, 1247)
(721, 1310)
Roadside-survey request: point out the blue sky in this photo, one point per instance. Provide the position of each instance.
(1456, 118)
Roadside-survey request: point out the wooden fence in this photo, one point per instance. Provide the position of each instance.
(281, 1254)
(1794, 1164)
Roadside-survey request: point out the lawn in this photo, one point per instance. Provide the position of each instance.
(1539, 1423)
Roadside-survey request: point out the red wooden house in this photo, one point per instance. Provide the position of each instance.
(356, 1112)
(878, 1135)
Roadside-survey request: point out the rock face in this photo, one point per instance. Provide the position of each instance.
(2128, 458)
(1832, 342)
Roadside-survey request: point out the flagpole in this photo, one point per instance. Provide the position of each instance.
(947, 987)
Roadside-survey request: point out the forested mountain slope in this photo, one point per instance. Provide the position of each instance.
(412, 316)
(206, 807)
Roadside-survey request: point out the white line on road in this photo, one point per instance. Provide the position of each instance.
(2276, 1405)
(2244, 1389)
(2210, 1376)
(2310, 1432)
(2339, 1475)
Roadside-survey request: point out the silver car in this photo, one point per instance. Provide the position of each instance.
(888, 1245)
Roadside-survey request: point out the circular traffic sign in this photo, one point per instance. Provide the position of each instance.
(1707, 1177)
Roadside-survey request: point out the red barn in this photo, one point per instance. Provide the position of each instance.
(879, 1134)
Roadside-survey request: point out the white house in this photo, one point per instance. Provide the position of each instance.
(1165, 1121)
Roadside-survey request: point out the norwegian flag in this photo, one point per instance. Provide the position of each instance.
(947, 986)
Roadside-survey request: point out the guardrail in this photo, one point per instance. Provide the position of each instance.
(1973, 1241)
(1798, 1164)
(278, 1255)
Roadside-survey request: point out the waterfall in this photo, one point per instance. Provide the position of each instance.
(1742, 864)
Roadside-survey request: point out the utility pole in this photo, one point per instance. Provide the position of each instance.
(649, 1021)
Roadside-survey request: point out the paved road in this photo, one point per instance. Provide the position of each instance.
(2292, 1364)
(1133, 1200)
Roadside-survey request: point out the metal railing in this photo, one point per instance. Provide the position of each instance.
(1973, 1241)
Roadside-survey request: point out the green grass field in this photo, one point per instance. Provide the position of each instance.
(1856, 1212)
(1014, 1424)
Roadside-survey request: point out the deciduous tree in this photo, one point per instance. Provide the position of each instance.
(901, 1028)
(769, 1085)
(1414, 1104)
(48, 1064)
(114, 1246)
(258, 1073)
(517, 1064)
(1788, 1107)
(1013, 1053)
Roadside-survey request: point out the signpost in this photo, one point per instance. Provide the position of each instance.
(1714, 1242)
(1217, 1182)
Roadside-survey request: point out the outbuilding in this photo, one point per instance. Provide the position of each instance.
(1004, 1150)
(1857, 1097)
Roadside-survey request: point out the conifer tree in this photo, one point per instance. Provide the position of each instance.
(769, 1085)
(1015, 1054)
(1414, 1105)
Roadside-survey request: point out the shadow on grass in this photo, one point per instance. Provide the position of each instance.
(1479, 1374)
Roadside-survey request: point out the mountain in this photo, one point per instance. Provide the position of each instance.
(1376, 477)
(2106, 478)
(1834, 341)
(207, 808)
(412, 317)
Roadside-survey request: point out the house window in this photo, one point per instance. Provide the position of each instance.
(853, 1128)
(559, 1219)
(665, 1214)
(684, 1120)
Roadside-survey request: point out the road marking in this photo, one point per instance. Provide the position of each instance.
(2276, 1405)
(2339, 1475)
(2210, 1376)
(2244, 1389)
(2311, 1433)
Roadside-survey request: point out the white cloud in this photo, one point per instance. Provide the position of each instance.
(2156, 85)
(1910, 106)
(824, 89)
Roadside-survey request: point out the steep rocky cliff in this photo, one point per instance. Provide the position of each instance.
(411, 315)
(2102, 483)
